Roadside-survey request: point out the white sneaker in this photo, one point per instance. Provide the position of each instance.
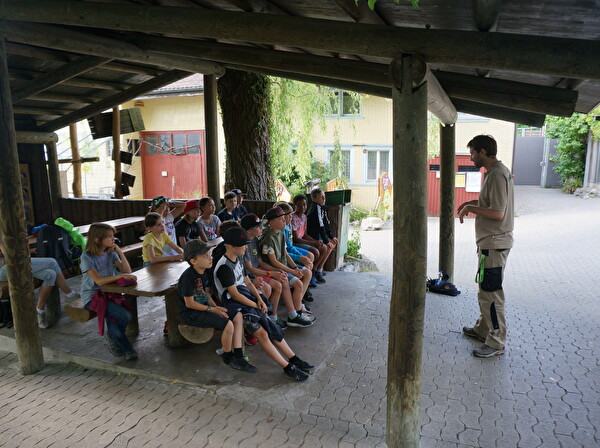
(42, 319)
(307, 314)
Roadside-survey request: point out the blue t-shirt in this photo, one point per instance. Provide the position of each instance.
(103, 264)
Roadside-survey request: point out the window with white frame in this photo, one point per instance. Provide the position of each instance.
(344, 104)
(377, 161)
(346, 161)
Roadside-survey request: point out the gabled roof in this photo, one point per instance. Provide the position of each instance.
(504, 59)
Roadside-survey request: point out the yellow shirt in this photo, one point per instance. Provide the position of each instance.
(157, 243)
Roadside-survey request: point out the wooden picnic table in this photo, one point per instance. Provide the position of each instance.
(155, 280)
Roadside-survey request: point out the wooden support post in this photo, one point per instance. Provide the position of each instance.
(16, 249)
(211, 136)
(407, 307)
(116, 138)
(54, 176)
(76, 161)
(447, 173)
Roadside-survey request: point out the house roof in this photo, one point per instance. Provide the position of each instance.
(192, 83)
(507, 59)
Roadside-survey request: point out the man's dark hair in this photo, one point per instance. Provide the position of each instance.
(315, 192)
(486, 142)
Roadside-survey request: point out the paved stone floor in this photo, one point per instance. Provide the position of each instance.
(543, 392)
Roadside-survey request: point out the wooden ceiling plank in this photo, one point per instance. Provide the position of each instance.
(63, 98)
(128, 68)
(574, 58)
(60, 38)
(68, 71)
(30, 51)
(114, 100)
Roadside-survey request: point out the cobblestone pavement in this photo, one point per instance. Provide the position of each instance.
(543, 392)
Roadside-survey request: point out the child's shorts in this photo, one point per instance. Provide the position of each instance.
(306, 247)
(301, 250)
(204, 319)
(266, 279)
(292, 278)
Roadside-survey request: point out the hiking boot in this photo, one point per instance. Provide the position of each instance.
(242, 364)
(131, 355)
(469, 331)
(42, 319)
(299, 321)
(485, 351)
(294, 373)
(319, 277)
(282, 323)
(112, 346)
(306, 367)
(250, 339)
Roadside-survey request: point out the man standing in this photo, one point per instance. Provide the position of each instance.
(494, 213)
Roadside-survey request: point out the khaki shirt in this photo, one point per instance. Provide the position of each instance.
(497, 193)
(272, 243)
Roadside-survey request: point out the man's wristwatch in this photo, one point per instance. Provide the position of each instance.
(208, 308)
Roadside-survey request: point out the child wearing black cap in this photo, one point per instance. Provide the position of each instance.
(237, 292)
(240, 210)
(197, 308)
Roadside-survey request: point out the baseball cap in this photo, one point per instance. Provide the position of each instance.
(249, 221)
(195, 247)
(236, 236)
(238, 191)
(275, 212)
(157, 201)
(190, 205)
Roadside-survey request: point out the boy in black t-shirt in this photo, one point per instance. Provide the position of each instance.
(187, 229)
(229, 212)
(197, 308)
(236, 292)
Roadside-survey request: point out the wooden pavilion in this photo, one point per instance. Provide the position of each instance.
(65, 60)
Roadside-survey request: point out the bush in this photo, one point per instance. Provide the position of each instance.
(354, 246)
(358, 214)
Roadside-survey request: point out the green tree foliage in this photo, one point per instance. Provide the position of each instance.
(573, 133)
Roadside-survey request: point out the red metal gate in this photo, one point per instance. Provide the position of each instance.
(174, 164)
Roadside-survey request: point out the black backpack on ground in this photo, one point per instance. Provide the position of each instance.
(442, 286)
(54, 242)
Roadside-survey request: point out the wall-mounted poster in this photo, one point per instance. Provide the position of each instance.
(27, 195)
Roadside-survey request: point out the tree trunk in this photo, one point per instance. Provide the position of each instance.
(244, 99)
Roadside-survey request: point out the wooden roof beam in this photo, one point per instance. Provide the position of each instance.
(486, 14)
(57, 76)
(65, 39)
(575, 58)
(511, 94)
(499, 113)
(360, 12)
(114, 100)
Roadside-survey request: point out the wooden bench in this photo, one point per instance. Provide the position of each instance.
(76, 311)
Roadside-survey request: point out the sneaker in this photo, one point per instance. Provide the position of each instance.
(308, 297)
(319, 277)
(306, 367)
(250, 339)
(299, 321)
(112, 346)
(131, 355)
(242, 364)
(324, 273)
(295, 373)
(307, 314)
(485, 351)
(282, 323)
(313, 282)
(42, 319)
(469, 331)
(220, 351)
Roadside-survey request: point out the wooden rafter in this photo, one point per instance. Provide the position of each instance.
(117, 99)
(536, 54)
(68, 71)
